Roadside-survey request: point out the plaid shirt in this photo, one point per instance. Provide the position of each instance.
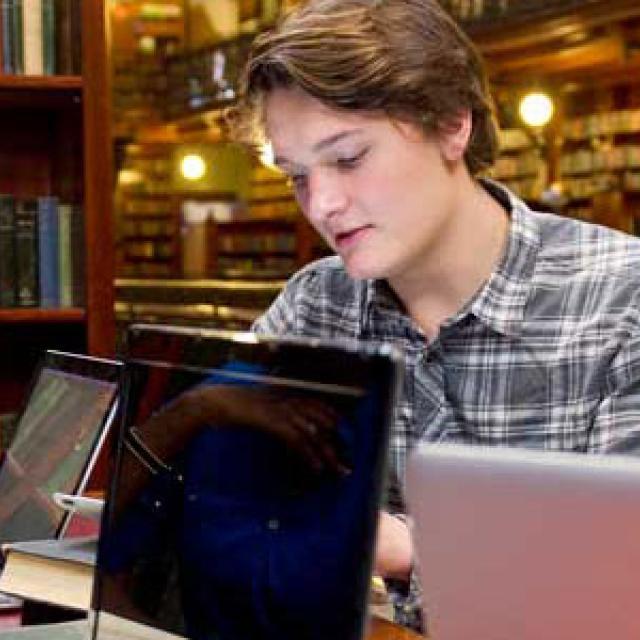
(546, 355)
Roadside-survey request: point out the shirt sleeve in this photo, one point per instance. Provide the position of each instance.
(616, 427)
(406, 597)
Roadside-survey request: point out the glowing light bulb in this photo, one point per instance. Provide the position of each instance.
(536, 109)
(193, 166)
(266, 155)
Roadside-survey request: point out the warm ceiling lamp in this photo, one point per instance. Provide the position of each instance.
(193, 166)
(536, 109)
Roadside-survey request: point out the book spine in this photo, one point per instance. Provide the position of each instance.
(48, 37)
(63, 36)
(6, 35)
(7, 251)
(48, 241)
(77, 257)
(1, 37)
(32, 37)
(16, 38)
(65, 294)
(26, 234)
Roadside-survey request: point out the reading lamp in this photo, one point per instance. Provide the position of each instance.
(193, 166)
(536, 109)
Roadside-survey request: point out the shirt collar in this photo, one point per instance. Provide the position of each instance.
(501, 301)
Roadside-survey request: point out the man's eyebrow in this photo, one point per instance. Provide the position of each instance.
(327, 142)
(322, 144)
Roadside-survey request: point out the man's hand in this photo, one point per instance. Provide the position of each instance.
(394, 552)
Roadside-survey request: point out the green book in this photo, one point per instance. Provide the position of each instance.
(48, 37)
(65, 212)
(17, 49)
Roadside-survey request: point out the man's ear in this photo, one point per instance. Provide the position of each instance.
(453, 136)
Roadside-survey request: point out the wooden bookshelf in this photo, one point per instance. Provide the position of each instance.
(600, 155)
(44, 316)
(55, 140)
(41, 83)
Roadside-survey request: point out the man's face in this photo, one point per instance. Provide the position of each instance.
(378, 191)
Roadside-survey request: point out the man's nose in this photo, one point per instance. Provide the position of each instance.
(327, 196)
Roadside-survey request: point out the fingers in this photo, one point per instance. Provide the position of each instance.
(305, 424)
(316, 433)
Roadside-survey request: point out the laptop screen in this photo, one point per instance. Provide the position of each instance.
(243, 530)
(68, 407)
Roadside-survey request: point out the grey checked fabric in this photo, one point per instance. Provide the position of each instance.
(546, 355)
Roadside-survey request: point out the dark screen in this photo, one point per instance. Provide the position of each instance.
(246, 535)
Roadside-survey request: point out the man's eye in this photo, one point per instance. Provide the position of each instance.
(348, 162)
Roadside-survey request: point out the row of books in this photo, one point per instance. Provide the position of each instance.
(514, 139)
(254, 243)
(588, 186)
(609, 158)
(526, 163)
(41, 253)
(40, 37)
(609, 122)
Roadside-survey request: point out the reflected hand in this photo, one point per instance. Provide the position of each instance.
(306, 425)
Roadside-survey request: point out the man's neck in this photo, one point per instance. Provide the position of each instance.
(465, 259)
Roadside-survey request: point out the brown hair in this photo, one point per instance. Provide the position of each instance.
(405, 58)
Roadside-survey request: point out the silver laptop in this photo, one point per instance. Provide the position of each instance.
(525, 545)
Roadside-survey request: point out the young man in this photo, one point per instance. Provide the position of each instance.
(519, 328)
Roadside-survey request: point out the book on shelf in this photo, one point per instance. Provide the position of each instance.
(57, 571)
(48, 37)
(16, 34)
(1, 37)
(7, 251)
(41, 253)
(40, 37)
(26, 242)
(48, 252)
(32, 37)
(78, 258)
(11, 36)
(68, 37)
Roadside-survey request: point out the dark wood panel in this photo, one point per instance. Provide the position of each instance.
(98, 182)
(22, 345)
(38, 315)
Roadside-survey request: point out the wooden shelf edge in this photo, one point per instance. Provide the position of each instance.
(41, 315)
(44, 83)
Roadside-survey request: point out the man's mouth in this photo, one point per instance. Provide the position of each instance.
(346, 239)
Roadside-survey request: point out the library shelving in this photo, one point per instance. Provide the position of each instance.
(600, 163)
(55, 141)
(521, 165)
(243, 222)
(211, 302)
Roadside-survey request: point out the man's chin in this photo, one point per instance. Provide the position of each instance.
(362, 270)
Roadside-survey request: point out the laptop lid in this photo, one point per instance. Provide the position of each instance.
(68, 409)
(244, 539)
(526, 544)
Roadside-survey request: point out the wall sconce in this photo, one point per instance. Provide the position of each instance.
(536, 109)
(193, 167)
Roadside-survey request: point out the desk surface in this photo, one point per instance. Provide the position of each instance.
(382, 630)
(379, 630)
